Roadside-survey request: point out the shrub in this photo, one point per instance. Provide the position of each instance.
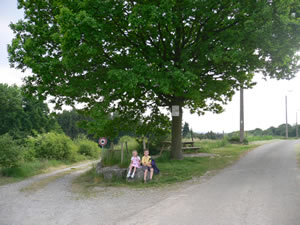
(10, 152)
(55, 146)
(131, 143)
(236, 140)
(87, 147)
(29, 149)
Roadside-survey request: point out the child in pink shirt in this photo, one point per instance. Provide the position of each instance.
(135, 163)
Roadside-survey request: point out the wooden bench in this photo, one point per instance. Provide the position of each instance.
(167, 144)
(190, 148)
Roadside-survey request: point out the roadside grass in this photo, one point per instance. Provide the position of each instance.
(29, 169)
(172, 171)
(206, 145)
(252, 138)
(113, 157)
(298, 154)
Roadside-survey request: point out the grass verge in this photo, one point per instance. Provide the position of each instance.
(173, 171)
(29, 169)
(298, 154)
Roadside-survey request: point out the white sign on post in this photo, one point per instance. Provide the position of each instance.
(175, 110)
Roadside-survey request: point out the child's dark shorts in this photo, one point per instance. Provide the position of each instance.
(144, 168)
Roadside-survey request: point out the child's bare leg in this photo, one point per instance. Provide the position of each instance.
(145, 174)
(130, 168)
(151, 173)
(134, 169)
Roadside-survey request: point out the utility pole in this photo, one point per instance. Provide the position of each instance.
(296, 124)
(242, 132)
(286, 120)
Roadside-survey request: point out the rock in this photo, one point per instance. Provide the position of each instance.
(139, 175)
(99, 166)
(110, 173)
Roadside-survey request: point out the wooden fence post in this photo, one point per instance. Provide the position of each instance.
(144, 143)
(122, 153)
(126, 148)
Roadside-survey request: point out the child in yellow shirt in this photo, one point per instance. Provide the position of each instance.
(146, 165)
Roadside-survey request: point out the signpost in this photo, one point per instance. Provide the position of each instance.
(175, 110)
(102, 142)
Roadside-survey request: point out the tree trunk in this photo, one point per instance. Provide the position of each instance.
(176, 150)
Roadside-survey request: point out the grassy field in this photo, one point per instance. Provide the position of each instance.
(173, 171)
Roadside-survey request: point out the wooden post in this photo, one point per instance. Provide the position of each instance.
(122, 153)
(111, 152)
(192, 135)
(144, 143)
(126, 148)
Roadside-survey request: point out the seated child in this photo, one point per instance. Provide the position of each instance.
(146, 164)
(135, 163)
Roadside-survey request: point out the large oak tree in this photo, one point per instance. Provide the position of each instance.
(137, 55)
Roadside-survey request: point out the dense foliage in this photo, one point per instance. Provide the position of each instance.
(21, 115)
(68, 120)
(10, 152)
(87, 148)
(54, 146)
(133, 56)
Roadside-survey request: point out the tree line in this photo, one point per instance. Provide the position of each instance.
(275, 131)
(22, 116)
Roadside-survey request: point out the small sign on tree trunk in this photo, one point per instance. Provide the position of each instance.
(175, 110)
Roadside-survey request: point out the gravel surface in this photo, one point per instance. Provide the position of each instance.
(262, 188)
(57, 203)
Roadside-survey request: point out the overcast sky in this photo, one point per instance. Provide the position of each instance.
(264, 104)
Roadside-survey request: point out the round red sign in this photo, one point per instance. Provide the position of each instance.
(102, 141)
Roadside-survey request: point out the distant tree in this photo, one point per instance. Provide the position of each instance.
(185, 129)
(20, 115)
(270, 131)
(257, 132)
(38, 116)
(69, 122)
(11, 110)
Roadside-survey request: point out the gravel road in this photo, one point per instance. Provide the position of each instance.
(263, 188)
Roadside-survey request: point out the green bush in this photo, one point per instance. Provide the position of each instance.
(10, 152)
(236, 140)
(55, 146)
(87, 147)
(29, 149)
(132, 143)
